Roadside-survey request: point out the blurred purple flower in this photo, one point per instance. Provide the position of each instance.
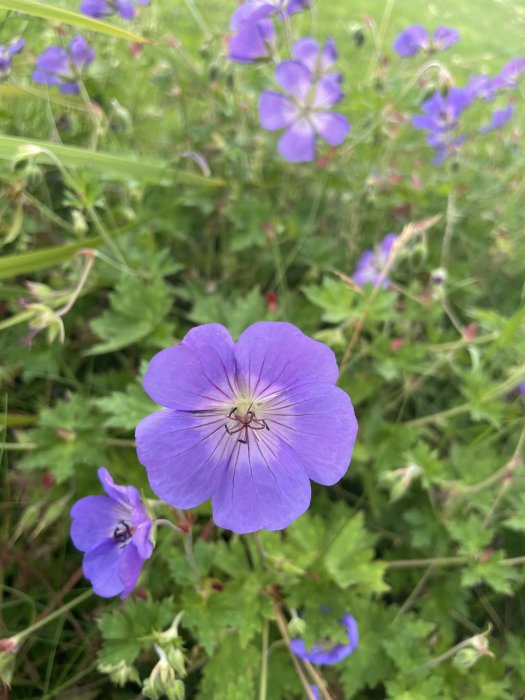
(521, 388)
(7, 53)
(317, 60)
(101, 8)
(63, 68)
(316, 692)
(255, 10)
(499, 118)
(416, 38)
(329, 654)
(252, 42)
(372, 262)
(247, 424)
(441, 116)
(304, 114)
(114, 531)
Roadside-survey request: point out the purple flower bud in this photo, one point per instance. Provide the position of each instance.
(247, 424)
(114, 532)
(329, 654)
(63, 68)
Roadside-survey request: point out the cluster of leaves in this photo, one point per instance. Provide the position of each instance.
(422, 542)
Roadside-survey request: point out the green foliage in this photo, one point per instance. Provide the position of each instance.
(160, 166)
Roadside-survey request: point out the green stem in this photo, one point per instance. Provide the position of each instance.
(188, 548)
(263, 682)
(21, 636)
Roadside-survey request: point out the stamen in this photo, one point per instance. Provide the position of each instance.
(244, 424)
(124, 533)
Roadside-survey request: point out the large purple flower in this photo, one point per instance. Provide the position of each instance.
(327, 653)
(101, 8)
(416, 38)
(247, 424)
(372, 262)
(63, 68)
(304, 114)
(7, 53)
(114, 531)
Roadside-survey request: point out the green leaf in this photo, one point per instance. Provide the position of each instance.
(138, 309)
(126, 408)
(59, 14)
(471, 534)
(68, 436)
(231, 673)
(350, 557)
(103, 163)
(498, 576)
(129, 630)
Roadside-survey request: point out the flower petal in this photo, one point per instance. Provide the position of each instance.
(333, 128)
(276, 111)
(410, 41)
(81, 54)
(130, 566)
(101, 566)
(328, 91)
(297, 144)
(251, 42)
(294, 78)
(318, 423)
(306, 51)
(94, 521)
(196, 372)
(272, 356)
(95, 8)
(183, 454)
(264, 487)
(126, 10)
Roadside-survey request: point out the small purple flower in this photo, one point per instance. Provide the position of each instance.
(255, 10)
(101, 8)
(114, 531)
(252, 42)
(247, 424)
(304, 114)
(499, 118)
(372, 262)
(441, 117)
(7, 53)
(61, 67)
(326, 653)
(415, 38)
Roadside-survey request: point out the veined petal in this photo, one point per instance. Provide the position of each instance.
(102, 567)
(297, 144)
(318, 423)
(94, 519)
(294, 78)
(130, 566)
(273, 357)
(306, 51)
(264, 487)
(328, 92)
(198, 372)
(276, 111)
(251, 42)
(332, 127)
(184, 454)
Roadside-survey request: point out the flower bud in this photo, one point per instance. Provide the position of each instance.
(399, 480)
(163, 682)
(8, 649)
(296, 627)
(120, 673)
(175, 658)
(79, 222)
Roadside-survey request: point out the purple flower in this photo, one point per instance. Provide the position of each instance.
(7, 53)
(415, 38)
(255, 10)
(317, 60)
(247, 424)
(316, 692)
(304, 114)
(101, 8)
(499, 118)
(371, 264)
(61, 67)
(252, 42)
(521, 388)
(114, 531)
(326, 653)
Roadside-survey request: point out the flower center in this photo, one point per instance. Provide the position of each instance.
(242, 420)
(123, 532)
